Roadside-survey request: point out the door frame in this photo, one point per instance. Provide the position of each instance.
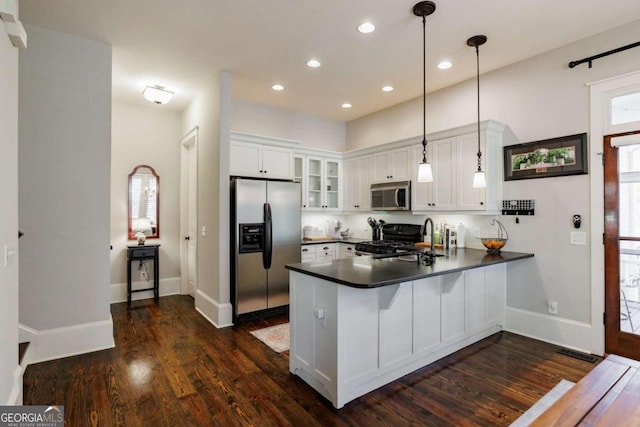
(600, 93)
(186, 142)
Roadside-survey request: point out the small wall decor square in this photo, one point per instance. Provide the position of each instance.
(565, 155)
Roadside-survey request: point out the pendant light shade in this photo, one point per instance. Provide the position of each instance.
(479, 179)
(424, 172)
(424, 9)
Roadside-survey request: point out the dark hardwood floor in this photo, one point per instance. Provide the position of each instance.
(170, 367)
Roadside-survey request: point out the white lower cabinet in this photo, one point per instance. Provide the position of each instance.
(308, 253)
(325, 252)
(346, 342)
(347, 250)
(320, 252)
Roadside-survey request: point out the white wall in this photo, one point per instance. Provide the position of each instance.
(146, 135)
(538, 98)
(64, 175)
(10, 383)
(310, 131)
(209, 112)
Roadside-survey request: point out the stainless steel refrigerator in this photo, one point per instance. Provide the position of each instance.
(265, 217)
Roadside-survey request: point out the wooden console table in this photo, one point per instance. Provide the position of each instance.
(141, 253)
(607, 396)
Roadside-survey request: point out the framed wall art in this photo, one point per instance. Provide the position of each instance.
(566, 155)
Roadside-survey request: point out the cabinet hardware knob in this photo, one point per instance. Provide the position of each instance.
(481, 203)
(187, 238)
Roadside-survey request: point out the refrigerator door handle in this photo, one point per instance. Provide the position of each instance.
(267, 248)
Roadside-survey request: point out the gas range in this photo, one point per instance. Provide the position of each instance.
(397, 239)
(383, 246)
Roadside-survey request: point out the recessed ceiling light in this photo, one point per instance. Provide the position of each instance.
(346, 105)
(444, 65)
(387, 88)
(277, 87)
(366, 27)
(313, 63)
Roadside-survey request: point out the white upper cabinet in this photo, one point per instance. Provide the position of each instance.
(322, 184)
(467, 197)
(260, 161)
(391, 165)
(454, 161)
(357, 184)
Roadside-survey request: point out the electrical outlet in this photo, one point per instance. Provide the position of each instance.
(553, 307)
(144, 275)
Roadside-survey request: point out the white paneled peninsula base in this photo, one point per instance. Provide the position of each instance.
(358, 324)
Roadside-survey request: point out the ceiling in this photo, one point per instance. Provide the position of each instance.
(182, 44)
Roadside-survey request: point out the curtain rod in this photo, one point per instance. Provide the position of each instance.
(572, 64)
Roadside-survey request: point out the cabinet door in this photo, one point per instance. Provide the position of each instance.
(421, 192)
(364, 187)
(277, 162)
(314, 183)
(444, 174)
(399, 164)
(352, 184)
(299, 176)
(380, 167)
(469, 198)
(357, 184)
(332, 183)
(245, 159)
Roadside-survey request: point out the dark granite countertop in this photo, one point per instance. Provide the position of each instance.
(365, 272)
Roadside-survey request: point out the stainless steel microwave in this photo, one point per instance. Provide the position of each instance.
(391, 196)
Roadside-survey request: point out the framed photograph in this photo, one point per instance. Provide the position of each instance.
(566, 155)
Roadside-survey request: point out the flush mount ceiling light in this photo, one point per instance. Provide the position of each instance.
(277, 87)
(157, 94)
(444, 65)
(313, 63)
(479, 178)
(424, 9)
(387, 88)
(366, 28)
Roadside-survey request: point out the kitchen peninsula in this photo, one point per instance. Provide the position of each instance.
(359, 323)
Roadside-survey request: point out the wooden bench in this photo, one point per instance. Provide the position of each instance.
(608, 396)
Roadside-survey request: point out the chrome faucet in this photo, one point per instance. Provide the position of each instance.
(432, 252)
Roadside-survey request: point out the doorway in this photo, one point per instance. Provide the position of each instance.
(189, 212)
(622, 243)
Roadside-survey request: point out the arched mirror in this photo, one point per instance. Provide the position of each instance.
(144, 202)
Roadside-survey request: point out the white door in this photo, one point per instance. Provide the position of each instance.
(189, 212)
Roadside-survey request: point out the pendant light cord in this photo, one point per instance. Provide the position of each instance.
(478, 86)
(424, 89)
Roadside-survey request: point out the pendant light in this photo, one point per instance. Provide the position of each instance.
(479, 178)
(424, 9)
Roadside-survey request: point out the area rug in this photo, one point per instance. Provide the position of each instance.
(276, 337)
(543, 404)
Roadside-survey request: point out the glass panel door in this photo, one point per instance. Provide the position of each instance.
(332, 183)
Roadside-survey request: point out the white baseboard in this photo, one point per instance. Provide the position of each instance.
(66, 341)
(118, 291)
(219, 315)
(551, 329)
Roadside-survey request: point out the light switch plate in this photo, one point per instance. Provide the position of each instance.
(578, 238)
